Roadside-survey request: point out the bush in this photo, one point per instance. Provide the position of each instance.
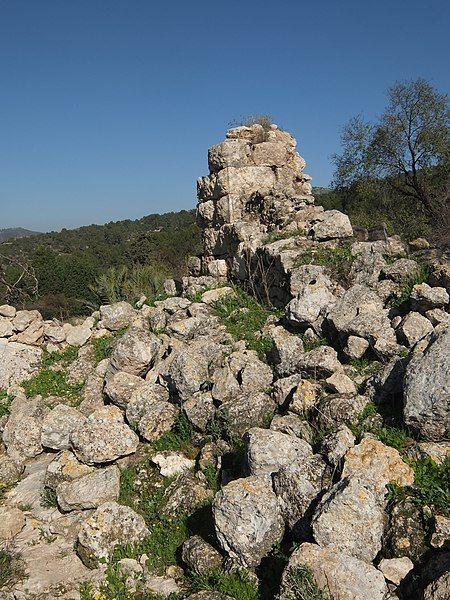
(264, 120)
(129, 284)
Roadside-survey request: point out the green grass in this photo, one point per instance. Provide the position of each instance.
(431, 485)
(104, 346)
(390, 435)
(65, 357)
(178, 438)
(5, 403)
(212, 476)
(52, 383)
(402, 297)
(337, 260)
(10, 569)
(244, 317)
(274, 236)
(115, 588)
(304, 586)
(236, 585)
(312, 344)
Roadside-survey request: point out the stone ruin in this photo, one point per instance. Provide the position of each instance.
(257, 191)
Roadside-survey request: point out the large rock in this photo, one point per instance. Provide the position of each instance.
(297, 486)
(149, 411)
(247, 520)
(413, 328)
(332, 225)
(427, 390)
(110, 525)
(18, 363)
(438, 589)
(103, 437)
(65, 467)
(57, 426)
(267, 451)
(116, 316)
(377, 465)
(424, 297)
(22, 432)
(200, 556)
(89, 491)
(120, 387)
(341, 575)
(135, 353)
(350, 518)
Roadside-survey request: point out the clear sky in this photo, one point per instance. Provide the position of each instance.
(107, 107)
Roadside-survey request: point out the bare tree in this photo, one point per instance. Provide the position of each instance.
(18, 279)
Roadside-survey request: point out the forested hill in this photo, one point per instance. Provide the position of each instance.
(15, 232)
(77, 269)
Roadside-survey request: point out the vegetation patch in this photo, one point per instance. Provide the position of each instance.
(52, 383)
(5, 403)
(64, 357)
(275, 236)
(10, 569)
(104, 346)
(401, 299)
(337, 260)
(48, 498)
(236, 585)
(304, 586)
(178, 438)
(244, 318)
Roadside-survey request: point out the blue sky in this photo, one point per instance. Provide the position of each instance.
(107, 107)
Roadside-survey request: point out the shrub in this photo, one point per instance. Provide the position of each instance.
(258, 119)
(274, 236)
(125, 283)
(179, 438)
(48, 498)
(401, 299)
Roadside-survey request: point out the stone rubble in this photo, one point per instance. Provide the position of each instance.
(283, 443)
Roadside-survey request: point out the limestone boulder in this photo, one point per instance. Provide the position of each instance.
(57, 426)
(413, 328)
(267, 451)
(116, 316)
(332, 225)
(110, 525)
(18, 363)
(103, 437)
(200, 556)
(350, 519)
(135, 353)
(425, 297)
(89, 491)
(427, 389)
(247, 520)
(340, 575)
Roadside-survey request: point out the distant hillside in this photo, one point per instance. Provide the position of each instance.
(15, 232)
(77, 269)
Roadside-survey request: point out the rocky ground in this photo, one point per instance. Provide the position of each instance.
(209, 447)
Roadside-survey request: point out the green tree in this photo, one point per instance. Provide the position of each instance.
(407, 148)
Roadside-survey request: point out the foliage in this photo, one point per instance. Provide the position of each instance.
(10, 568)
(178, 438)
(5, 403)
(406, 148)
(311, 344)
(274, 236)
(51, 383)
(304, 587)
(129, 283)
(64, 357)
(337, 260)
(244, 318)
(257, 119)
(402, 298)
(67, 263)
(431, 485)
(104, 346)
(48, 498)
(236, 585)
(212, 476)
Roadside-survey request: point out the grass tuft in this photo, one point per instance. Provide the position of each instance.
(304, 586)
(65, 357)
(52, 383)
(337, 260)
(244, 318)
(104, 346)
(5, 403)
(236, 585)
